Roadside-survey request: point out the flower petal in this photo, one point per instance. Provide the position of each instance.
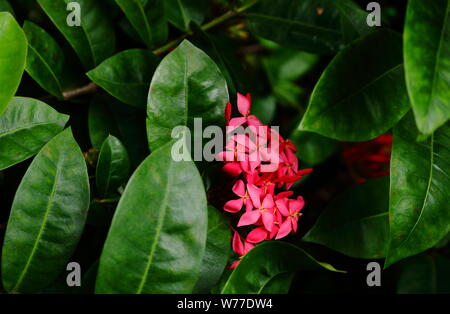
(238, 247)
(249, 218)
(267, 219)
(244, 104)
(232, 168)
(239, 188)
(234, 206)
(257, 235)
(285, 229)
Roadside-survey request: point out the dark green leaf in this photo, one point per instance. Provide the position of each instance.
(127, 75)
(425, 274)
(187, 84)
(313, 148)
(356, 223)
(44, 60)
(217, 250)
(109, 116)
(25, 126)
(181, 12)
(6, 7)
(148, 19)
(427, 62)
(279, 284)
(94, 39)
(13, 53)
(361, 94)
(47, 216)
(264, 108)
(420, 190)
(113, 166)
(256, 270)
(319, 26)
(157, 238)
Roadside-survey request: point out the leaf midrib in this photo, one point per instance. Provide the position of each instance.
(159, 225)
(42, 227)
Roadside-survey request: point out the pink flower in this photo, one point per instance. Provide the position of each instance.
(291, 210)
(263, 210)
(240, 248)
(244, 107)
(234, 206)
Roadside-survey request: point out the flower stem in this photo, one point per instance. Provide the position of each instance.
(218, 20)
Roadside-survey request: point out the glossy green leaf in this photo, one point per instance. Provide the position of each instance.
(109, 116)
(94, 39)
(44, 60)
(127, 75)
(361, 94)
(420, 190)
(47, 216)
(157, 238)
(217, 250)
(187, 84)
(427, 62)
(181, 12)
(279, 284)
(425, 274)
(26, 126)
(13, 53)
(113, 166)
(356, 223)
(148, 19)
(256, 270)
(313, 148)
(319, 26)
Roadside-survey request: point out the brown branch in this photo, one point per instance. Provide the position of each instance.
(90, 88)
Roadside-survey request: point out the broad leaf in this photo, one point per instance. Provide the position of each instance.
(181, 12)
(217, 250)
(109, 116)
(279, 284)
(158, 232)
(187, 84)
(94, 39)
(47, 216)
(356, 223)
(319, 26)
(13, 52)
(26, 126)
(44, 60)
(425, 274)
(113, 166)
(148, 19)
(420, 190)
(427, 62)
(361, 94)
(127, 75)
(256, 270)
(5, 6)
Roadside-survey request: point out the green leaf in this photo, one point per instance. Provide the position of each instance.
(181, 12)
(256, 270)
(279, 284)
(113, 166)
(264, 108)
(148, 19)
(6, 7)
(157, 238)
(109, 116)
(187, 84)
(318, 26)
(420, 190)
(425, 274)
(44, 60)
(26, 126)
(127, 75)
(217, 250)
(356, 223)
(13, 53)
(47, 216)
(361, 94)
(427, 62)
(94, 39)
(313, 148)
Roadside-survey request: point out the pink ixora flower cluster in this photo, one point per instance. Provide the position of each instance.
(263, 163)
